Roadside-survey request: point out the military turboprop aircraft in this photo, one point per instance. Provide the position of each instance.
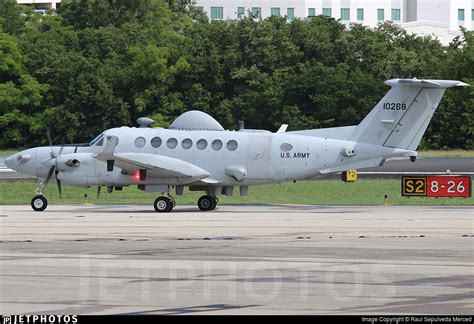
(196, 151)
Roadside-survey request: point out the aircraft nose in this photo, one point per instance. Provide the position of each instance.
(10, 161)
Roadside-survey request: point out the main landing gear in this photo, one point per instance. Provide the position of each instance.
(39, 202)
(207, 202)
(165, 204)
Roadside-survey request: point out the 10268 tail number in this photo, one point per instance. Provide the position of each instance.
(394, 106)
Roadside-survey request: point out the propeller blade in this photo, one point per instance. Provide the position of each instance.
(50, 173)
(59, 188)
(98, 191)
(58, 182)
(63, 142)
(48, 134)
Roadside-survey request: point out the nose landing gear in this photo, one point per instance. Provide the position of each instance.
(39, 202)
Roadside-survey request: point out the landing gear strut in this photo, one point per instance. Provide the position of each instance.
(39, 202)
(207, 202)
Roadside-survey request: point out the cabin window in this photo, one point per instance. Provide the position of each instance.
(140, 142)
(216, 145)
(100, 142)
(187, 143)
(286, 147)
(172, 143)
(201, 144)
(156, 142)
(232, 145)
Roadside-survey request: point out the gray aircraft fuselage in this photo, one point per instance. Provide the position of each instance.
(267, 157)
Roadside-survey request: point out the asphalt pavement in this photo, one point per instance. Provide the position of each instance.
(238, 259)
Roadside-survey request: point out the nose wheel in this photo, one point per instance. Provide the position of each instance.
(39, 203)
(207, 202)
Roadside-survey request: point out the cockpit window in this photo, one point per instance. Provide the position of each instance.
(99, 140)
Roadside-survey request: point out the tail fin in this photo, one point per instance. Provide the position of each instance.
(400, 119)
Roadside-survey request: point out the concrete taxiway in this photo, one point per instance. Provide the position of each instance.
(291, 259)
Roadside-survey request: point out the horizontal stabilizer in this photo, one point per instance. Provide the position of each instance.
(356, 165)
(427, 83)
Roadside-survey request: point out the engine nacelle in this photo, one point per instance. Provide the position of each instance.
(81, 169)
(67, 161)
(77, 169)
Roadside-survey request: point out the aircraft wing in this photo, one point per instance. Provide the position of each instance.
(157, 165)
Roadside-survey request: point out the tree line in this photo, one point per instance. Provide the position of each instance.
(97, 64)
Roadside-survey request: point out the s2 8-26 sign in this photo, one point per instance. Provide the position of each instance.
(436, 186)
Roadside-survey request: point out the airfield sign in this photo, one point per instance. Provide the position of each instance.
(437, 186)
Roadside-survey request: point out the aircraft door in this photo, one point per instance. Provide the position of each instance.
(259, 156)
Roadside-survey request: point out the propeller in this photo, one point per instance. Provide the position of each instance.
(54, 166)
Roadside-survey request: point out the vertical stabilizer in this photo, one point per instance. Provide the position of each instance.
(400, 119)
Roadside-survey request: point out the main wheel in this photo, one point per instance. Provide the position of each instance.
(163, 204)
(39, 203)
(214, 204)
(207, 203)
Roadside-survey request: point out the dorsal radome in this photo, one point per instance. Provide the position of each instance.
(196, 120)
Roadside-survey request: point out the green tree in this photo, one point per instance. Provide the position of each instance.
(97, 64)
(20, 95)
